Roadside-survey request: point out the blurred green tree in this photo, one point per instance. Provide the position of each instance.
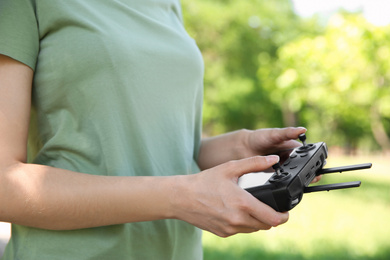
(337, 83)
(267, 67)
(236, 37)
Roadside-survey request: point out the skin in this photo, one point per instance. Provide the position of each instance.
(50, 198)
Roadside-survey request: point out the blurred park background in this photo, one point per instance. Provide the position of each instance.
(267, 65)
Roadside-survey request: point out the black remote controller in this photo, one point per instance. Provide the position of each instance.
(284, 188)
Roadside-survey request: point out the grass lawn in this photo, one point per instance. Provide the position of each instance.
(341, 224)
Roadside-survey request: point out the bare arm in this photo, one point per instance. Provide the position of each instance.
(48, 197)
(51, 198)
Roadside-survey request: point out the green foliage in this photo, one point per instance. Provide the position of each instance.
(339, 76)
(267, 67)
(231, 35)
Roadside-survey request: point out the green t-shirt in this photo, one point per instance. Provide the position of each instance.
(117, 90)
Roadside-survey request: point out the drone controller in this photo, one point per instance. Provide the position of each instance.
(283, 189)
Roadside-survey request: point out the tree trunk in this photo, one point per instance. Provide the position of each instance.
(379, 130)
(289, 117)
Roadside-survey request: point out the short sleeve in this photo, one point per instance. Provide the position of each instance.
(19, 35)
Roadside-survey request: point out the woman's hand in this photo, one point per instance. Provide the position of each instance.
(213, 201)
(272, 140)
(247, 143)
(275, 141)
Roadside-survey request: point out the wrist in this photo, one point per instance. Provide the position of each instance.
(179, 198)
(243, 146)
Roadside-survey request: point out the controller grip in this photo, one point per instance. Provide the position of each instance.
(281, 199)
(266, 196)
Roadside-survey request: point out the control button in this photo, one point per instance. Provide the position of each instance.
(303, 155)
(293, 167)
(294, 155)
(287, 163)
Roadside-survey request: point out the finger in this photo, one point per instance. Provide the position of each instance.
(287, 145)
(267, 215)
(279, 135)
(283, 139)
(251, 225)
(251, 164)
(316, 179)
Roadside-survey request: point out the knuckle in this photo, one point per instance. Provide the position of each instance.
(229, 231)
(224, 231)
(274, 133)
(224, 235)
(266, 227)
(277, 220)
(236, 221)
(221, 233)
(244, 205)
(231, 164)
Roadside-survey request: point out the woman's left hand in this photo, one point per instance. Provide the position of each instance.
(275, 141)
(272, 140)
(248, 143)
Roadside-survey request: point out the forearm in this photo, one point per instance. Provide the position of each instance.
(223, 148)
(52, 198)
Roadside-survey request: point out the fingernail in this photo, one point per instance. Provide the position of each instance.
(272, 159)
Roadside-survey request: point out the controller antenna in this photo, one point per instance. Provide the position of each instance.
(302, 138)
(277, 169)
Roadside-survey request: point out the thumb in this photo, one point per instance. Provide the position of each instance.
(251, 164)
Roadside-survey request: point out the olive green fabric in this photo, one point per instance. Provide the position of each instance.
(117, 90)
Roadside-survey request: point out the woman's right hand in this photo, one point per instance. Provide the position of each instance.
(213, 201)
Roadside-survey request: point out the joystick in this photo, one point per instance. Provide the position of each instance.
(305, 147)
(284, 189)
(302, 138)
(279, 175)
(278, 169)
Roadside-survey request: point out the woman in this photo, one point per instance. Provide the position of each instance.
(119, 169)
